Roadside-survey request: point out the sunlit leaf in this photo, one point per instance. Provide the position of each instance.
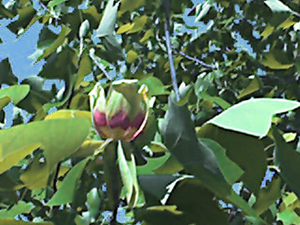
(127, 5)
(253, 116)
(55, 2)
(155, 86)
(108, 21)
(138, 24)
(131, 56)
(14, 93)
(21, 207)
(152, 164)
(273, 63)
(58, 138)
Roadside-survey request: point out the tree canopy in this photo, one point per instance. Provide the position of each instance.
(221, 142)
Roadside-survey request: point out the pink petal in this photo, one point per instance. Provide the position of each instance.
(99, 119)
(119, 120)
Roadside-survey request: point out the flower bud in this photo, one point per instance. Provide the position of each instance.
(123, 113)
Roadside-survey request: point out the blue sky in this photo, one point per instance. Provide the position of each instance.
(18, 50)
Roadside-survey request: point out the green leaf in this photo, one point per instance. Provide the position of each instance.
(37, 96)
(55, 44)
(128, 5)
(196, 158)
(26, 14)
(254, 85)
(289, 216)
(277, 6)
(242, 149)
(14, 93)
(272, 61)
(131, 56)
(253, 116)
(59, 65)
(7, 76)
(20, 208)
(156, 185)
(196, 203)
(55, 2)
(231, 171)
(128, 176)
(66, 192)
(152, 164)
(221, 102)
(138, 24)
(155, 86)
(268, 195)
(59, 138)
(288, 161)
(108, 21)
(169, 166)
(125, 173)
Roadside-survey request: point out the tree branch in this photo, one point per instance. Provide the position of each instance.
(166, 5)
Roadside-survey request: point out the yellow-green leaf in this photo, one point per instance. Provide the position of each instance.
(271, 62)
(131, 56)
(15, 93)
(59, 138)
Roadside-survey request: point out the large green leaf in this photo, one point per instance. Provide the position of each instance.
(196, 158)
(288, 161)
(253, 116)
(196, 203)
(13, 93)
(66, 192)
(245, 150)
(59, 138)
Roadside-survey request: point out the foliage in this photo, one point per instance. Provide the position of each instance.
(226, 152)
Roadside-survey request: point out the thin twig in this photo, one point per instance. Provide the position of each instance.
(166, 4)
(56, 177)
(194, 59)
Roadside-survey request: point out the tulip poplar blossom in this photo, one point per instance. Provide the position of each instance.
(123, 113)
